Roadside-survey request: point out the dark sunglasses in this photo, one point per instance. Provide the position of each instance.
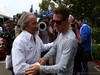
(56, 22)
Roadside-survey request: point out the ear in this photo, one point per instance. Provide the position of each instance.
(26, 27)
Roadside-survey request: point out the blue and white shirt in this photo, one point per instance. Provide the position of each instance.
(85, 34)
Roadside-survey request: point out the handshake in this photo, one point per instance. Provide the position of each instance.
(35, 70)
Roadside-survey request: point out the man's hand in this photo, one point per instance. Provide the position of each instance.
(42, 61)
(34, 70)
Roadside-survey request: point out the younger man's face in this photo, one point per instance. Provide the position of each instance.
(57, 22)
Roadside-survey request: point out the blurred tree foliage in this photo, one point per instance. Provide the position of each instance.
(81, 7)
(44, 5)
(96, 51)
(96, 34)
(77, 7)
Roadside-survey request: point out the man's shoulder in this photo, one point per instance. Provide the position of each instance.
(71, 35)
(20, 38)
(85, 26)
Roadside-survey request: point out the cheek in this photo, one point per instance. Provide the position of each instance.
(31, 28)
(59, 26)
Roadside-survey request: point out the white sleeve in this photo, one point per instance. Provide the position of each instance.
(66, 57)
(45, 47)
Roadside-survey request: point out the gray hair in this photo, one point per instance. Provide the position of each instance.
(24, 20)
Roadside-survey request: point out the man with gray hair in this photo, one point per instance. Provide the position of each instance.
(27, 46)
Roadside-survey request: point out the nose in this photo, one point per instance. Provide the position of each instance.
(55, 24)
(36, 28)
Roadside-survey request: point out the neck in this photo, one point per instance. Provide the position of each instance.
(29, 31)
(66, 28)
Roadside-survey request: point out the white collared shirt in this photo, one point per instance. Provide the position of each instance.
(64, 49)
(25, 52)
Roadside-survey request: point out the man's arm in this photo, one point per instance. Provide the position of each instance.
(36, 68)
(66, 57)
(44, 47)
(52, 52)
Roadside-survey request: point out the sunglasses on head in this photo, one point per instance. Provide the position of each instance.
(56, 22)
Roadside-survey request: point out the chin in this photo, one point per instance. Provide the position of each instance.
(59, 31)
(35, 33)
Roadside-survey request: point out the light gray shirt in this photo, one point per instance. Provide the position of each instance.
(26, 52)
(65, 49)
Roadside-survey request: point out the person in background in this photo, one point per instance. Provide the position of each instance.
(64, 48)
(70, 19)
(85, 42)
(8, 36)
(27, 46)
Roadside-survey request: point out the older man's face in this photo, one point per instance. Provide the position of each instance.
(32, 27)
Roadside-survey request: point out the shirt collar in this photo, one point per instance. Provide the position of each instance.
(28, 35)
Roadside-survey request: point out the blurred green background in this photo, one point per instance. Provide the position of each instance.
(96, 43)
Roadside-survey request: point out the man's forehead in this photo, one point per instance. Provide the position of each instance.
(57, 16)
(32, 18)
